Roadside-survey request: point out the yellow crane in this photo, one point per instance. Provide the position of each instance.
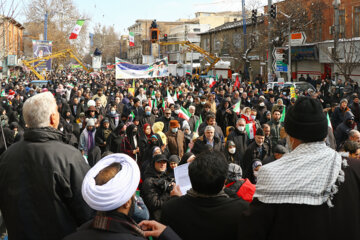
(209, 57)
(41, 60)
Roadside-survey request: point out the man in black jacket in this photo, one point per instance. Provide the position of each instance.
(41, 177)
(312, 182)
(240, 138)
(205, 212)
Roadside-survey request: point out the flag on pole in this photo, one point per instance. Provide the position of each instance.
(155, 103)
(3, 93)
(153, 94)
(184, 114)
(187, 82)
(169, 98)
(197, 124)
(251, 130)
(236, 107)
(212, 82)
(132, 115)
(163, 105)
(77, 28)
(282, 119)
(159, 82)
(188, 72)
(150, 103)
(175, 96)
(328, 120)
(131, 39)
(133, 84)
(292, 93)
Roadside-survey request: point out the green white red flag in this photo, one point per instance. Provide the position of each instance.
(169, 98)
(175, 98)
(236, 108)
(197, 124)
(282, 119)
(131, 39)
(328, 120)
(77, 28)
(184, 114)
(212, 82)
(251, 130)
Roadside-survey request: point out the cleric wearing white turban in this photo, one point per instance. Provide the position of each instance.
(109, 187)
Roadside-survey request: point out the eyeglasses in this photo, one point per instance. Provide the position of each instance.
(167, 113)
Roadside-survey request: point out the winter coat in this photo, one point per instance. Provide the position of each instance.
(218, 132)
(240, 139)
(176, 143)
(242, 188)
(211, 218)
(274, 131)
(155, 191)
(192, 122)
(84, 138)
(338, 116)
(40, 187)
(342, 131)
(225, 119)
(277, 222)
(201, 142)
(251, 154)
(119, 228)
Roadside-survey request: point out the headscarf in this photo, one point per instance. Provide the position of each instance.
(144, 128)
(118, 190)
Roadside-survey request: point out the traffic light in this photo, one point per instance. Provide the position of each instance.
(286, 56)
(165, 37)
(154, 33)
(273, 11)
(254, 16)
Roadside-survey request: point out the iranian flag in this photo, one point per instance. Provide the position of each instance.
(163, 105)
(184, 114)
(187, 82)
(159, 82)
(132, 115)
(131, 39)
(153, 94)
(237, 82)
(150, 103)
(236, 108)
(212, 82)
(175, 97)
(251, 130)
(77, 29)
(197, 124)
(188, 72)
(169, 98)
(282, 119)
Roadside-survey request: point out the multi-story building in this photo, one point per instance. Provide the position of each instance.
(144, 51)
(11, 41)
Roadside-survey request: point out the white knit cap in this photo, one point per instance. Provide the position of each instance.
(118, 190)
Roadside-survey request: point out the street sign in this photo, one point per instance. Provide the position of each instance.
(280, 66)
(278, 53)
(298, 38)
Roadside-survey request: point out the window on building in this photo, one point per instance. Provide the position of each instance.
(196, 29)
(342, 23)
(357, 22)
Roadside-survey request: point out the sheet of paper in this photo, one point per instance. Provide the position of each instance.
(182, 177)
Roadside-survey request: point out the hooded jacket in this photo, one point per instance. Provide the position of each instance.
(342, 131)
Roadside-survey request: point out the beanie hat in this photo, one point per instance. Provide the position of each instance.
(260, 132)
(343, 100)
(306, 120)
(174, 158)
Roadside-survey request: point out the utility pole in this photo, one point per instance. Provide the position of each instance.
(289, 62)
(336, 34)
(45, 26)
(246, 71)
(270, 47)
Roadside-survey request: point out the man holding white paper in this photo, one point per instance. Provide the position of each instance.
(205, 206)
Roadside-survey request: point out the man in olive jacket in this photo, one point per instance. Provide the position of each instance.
(41, 177)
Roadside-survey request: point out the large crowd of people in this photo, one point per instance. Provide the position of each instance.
(263, 163)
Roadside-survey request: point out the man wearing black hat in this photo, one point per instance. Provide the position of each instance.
(256, 150)
(309, 193)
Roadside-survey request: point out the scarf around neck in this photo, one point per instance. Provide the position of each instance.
(307, 175)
